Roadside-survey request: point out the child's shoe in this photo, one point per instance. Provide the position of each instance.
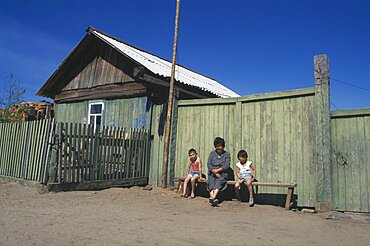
(210, 200)
(251, 202)
(215, 202)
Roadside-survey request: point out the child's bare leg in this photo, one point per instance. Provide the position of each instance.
(237, 191)
(211, 193)
(215, 193)
(186, 185)
(193, 181)
(250, 187)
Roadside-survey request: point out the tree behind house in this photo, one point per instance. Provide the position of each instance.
(11, 93)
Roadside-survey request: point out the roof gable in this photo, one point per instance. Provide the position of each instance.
(154, 64)
(162, 67)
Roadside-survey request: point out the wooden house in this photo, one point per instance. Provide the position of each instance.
(106, 81)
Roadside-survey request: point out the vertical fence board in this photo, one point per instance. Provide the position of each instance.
(104, 151)
(367, 159)
(86, 130)
(60, 152)
(115, 151)
(363, 186)
(122, 152)
(73, 151)
(17, 145)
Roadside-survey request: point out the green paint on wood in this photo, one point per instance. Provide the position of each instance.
(323, 139)
(277, 133)
(24, 148)
(350, 161)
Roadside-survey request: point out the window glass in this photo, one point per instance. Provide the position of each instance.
(96, 109)
(98, 120)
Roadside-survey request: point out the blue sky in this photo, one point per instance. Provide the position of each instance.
(249, 46)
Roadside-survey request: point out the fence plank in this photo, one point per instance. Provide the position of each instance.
(121, 151)
(74, 150)
(7, 148)
(47, 151)
(114, 149)
(40, 143)
(30, 150)
(128, 155)
(18, 144)
(85, 155)
(65, 153)
(96, 152)
(103, 153)
(2, 151)
(110, 153)
(60, 152)
(90, 152)
(26, 150)
(35, 139)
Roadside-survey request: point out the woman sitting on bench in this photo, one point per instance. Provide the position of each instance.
(218, 164)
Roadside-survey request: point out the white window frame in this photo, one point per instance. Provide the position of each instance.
(101, 114)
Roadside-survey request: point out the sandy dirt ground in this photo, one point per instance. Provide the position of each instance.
(158, 217)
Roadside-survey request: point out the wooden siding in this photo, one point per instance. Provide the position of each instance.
(72, 112)
(91, 64)
(99, 72)
(277, 130)
(351, 160)
(128, 112)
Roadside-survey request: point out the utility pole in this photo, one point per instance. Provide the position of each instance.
(167, 132)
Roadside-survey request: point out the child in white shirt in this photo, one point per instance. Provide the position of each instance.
(245, 176)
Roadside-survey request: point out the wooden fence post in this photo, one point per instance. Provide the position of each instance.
(51, 154)
(323, 135)
(172, 153)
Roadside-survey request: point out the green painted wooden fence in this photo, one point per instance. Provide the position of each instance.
(156, 151)
(25, 149)
(104, 153)
(277, 130)
(351, 160)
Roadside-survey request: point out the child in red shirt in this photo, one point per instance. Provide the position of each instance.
(193, 172)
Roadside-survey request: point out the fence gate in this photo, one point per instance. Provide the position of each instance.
(351, 160)
(83, 153)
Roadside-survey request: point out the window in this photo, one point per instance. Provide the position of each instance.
(96, 113)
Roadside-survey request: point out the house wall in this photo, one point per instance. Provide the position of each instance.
(76, 112)
(128, 112)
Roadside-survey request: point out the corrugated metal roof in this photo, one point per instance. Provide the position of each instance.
(162, 67)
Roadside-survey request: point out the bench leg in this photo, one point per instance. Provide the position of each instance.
(180, 187)
(289, 198)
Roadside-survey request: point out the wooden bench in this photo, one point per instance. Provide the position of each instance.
(180, 187)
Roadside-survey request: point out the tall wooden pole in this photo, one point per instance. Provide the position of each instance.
(323, 137)
(170, 102)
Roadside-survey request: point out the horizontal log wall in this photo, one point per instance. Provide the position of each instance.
(351, 160)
